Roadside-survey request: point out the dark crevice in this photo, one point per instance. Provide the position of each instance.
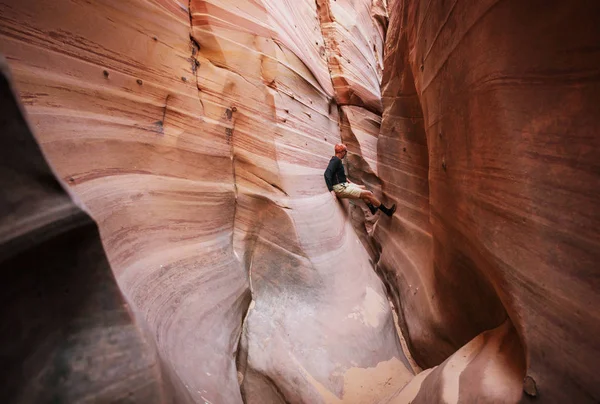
(272, 383)
(195, 50)
(241, 354)
(161, 123)
(277, 187)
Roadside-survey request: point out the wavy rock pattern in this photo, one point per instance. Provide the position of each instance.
(196, 134)
(69, 335)
(488, 144)
(198, 144)
(291, 237)
(354, 34)
(483, 370)
(123, 128)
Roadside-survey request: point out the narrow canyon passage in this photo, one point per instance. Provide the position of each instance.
(195, 135)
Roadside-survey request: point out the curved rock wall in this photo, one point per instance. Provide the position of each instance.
(69, 335)
(489, 137)
(304, 339)
(196, 133)
(112, 93)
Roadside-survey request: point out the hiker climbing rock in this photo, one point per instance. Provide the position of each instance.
(341, 187)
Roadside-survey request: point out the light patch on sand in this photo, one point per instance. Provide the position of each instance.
(364, 385)
(372, 309)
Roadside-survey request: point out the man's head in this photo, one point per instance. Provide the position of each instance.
(340, 150)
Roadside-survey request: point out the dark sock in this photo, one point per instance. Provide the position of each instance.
(388, 211)
(372, 208)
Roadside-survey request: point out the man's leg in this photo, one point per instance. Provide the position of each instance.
(355, 191)
(371, 199)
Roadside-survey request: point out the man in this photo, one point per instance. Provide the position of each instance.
(340, 187)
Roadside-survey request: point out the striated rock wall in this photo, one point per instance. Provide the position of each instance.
(196, 134)
(489, 140)
(317, 306)
(112, 93)
(69, 335)
(354, 35)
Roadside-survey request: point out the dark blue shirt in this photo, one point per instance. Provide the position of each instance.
(335, 173)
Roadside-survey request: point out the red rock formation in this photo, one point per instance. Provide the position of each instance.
(201, 158)
(489, 136)
(487, 369)
(105, 90)
(302, 340)
(197, 134)
(354, 31)
(68, 334)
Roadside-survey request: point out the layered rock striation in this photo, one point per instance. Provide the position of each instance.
(196, 135)
(489, 143)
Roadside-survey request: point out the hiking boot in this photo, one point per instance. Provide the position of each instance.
(372, 208)
(388, 211)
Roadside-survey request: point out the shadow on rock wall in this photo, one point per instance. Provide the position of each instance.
(68, 335)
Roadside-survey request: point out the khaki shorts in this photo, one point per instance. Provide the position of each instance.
(347, 190)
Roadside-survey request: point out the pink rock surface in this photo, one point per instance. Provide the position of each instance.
(354, 35)
(69, 334)
(487, 369)
(197, 138)
(302, 341)
(196, 134)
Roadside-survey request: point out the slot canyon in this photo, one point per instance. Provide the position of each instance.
(166, 234)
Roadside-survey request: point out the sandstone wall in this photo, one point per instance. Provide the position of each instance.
(197, 135)
(489, 143)
(68, 334)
